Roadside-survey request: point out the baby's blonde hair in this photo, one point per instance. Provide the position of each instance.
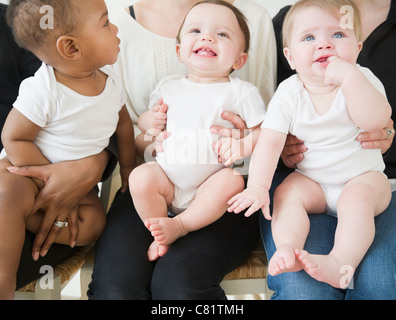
(333, 6)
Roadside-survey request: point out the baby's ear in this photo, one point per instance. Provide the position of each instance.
(287, 53)
(67, 47)
(178, 52)
(240, 62)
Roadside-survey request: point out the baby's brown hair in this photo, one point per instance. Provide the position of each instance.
(238, 14)
(27, 21)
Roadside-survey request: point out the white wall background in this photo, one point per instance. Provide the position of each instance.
(272, 6)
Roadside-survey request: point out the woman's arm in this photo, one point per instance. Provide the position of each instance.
(126, 147)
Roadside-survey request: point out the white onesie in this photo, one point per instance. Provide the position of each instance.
(73, 126)
(334, 155)
(188, 158)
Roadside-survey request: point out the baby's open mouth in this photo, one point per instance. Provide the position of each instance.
(322, 59)
(205, 52)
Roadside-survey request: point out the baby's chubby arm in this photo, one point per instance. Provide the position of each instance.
(368, 108)
(262, 168)
(18, 135)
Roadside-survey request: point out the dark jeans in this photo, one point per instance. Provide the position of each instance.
(192, 268)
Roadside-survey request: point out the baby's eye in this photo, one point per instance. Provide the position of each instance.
(309, 38)
(338, 35)
(222, 35)
(107, 23)
(195, 31)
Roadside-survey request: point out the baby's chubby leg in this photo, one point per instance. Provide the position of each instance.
(361, 200)
(210, 204)
(151, 190)
(17, 196)
(152, 193)
(293, 199)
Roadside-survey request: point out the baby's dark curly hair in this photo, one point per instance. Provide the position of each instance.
(25, 17)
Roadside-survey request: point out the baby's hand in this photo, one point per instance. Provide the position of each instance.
(229, 150)
(336, 71)
(254, 197)
(153, 121)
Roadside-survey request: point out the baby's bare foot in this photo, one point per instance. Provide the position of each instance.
(165, 230)
(283, 260)
(326, 268)
(156, 251)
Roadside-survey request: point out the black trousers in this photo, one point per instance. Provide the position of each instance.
(29, 269)
(192, 268)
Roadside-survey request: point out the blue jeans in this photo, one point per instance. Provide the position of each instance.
(374, 279)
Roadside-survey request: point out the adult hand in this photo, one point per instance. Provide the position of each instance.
(237, 133)
(66, 184)
(293, 152)
(381, 139)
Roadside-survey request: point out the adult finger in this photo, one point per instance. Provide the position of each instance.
(293, 152)
(291, 140)
(381, 139)
(235, 119)
(47, 229)
(226, 132)
(73, 227)
(50, 239)
(291, 161)
(38, 172)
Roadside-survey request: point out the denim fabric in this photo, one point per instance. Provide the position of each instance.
(375, 277)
